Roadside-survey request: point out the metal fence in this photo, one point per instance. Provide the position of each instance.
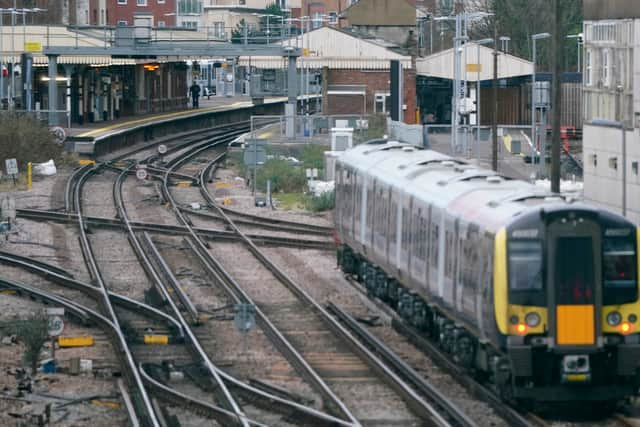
(313, 127)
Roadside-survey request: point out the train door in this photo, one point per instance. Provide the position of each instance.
(574, 281)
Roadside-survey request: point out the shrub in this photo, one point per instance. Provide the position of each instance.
(283, 175)
(26, 139)
(324, 202)
(33, 333)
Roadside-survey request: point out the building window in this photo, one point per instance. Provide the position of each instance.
(333, 18)
(594, 160)
(606, 67)
(161, 24)
(101, 16)
(317, 20)
(141, 2)
(634, 168)
(382, 102)
(622, 68)
(161, 1)
(122, 1)
(613, 163)
(588, 61)
(122, 23)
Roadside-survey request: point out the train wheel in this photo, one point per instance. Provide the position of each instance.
(465, 350)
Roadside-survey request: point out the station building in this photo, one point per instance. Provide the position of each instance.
(612, 105)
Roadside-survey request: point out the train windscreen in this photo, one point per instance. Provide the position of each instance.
(526, 277)
(619, 271)
(574, 276)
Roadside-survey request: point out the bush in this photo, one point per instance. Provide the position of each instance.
(324, 202)
(26, 139)
(283, 175)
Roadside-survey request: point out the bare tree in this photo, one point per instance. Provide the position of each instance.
(33, 333)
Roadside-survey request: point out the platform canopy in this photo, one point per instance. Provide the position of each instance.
(440, 64)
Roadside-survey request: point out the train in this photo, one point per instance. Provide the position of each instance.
(533, 292)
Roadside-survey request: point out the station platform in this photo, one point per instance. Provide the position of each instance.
(98, 130)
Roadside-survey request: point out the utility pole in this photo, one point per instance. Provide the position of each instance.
(494, 121)
(556, 93)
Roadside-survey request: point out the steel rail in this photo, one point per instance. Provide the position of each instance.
(238, 295)
(159, 390)
(423, 409)
(195, 405)
(47, 271)
(108, 326)
(265, 239)
(288, 227)
(223, 393)
(424, 387)
(146, 412)
(444, 361)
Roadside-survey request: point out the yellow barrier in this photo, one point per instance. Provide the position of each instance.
(75, 342)
(8, 292)
(227, 201)
(223, 185)
(85, 162)
(156, 339)
(112, 405)
(29, 176)
(183, 184)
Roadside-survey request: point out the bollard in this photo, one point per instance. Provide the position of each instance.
(29, 176)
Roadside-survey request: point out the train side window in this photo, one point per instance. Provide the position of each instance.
(525, 269)
(619, 270)
(435, 248)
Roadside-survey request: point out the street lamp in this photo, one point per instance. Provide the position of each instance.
(578, 38)
(541, 156)
(477, 145)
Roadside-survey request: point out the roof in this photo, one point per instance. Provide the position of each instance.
(441, 64)
(336, 49)
(475, 195)
(13, 42)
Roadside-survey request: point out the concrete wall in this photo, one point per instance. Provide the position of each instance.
(603, 182)
(611, 9)
(382, 12)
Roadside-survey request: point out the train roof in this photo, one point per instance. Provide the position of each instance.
(473, 194)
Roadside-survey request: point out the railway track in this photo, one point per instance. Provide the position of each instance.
(419, 406)
(166, 229)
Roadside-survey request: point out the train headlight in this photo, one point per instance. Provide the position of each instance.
(614, 318)
(532, 320)
(626, 328)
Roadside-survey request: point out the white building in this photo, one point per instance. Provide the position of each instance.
(611, 101)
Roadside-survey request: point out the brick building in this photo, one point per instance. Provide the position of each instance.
(356, 72)
(158, 13)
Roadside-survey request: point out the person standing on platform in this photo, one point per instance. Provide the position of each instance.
(195, 94)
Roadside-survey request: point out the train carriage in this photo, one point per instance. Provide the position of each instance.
(533, 290)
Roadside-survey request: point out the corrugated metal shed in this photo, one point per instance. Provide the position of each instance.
(329, 47)
(441, 64)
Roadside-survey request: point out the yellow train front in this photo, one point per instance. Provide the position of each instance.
(566, 304)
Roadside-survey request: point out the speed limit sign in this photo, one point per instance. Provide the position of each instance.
(141, 174)
(55, 326)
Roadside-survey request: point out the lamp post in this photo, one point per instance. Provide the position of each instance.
(578, 38)
(541, 156)
(477, 144)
